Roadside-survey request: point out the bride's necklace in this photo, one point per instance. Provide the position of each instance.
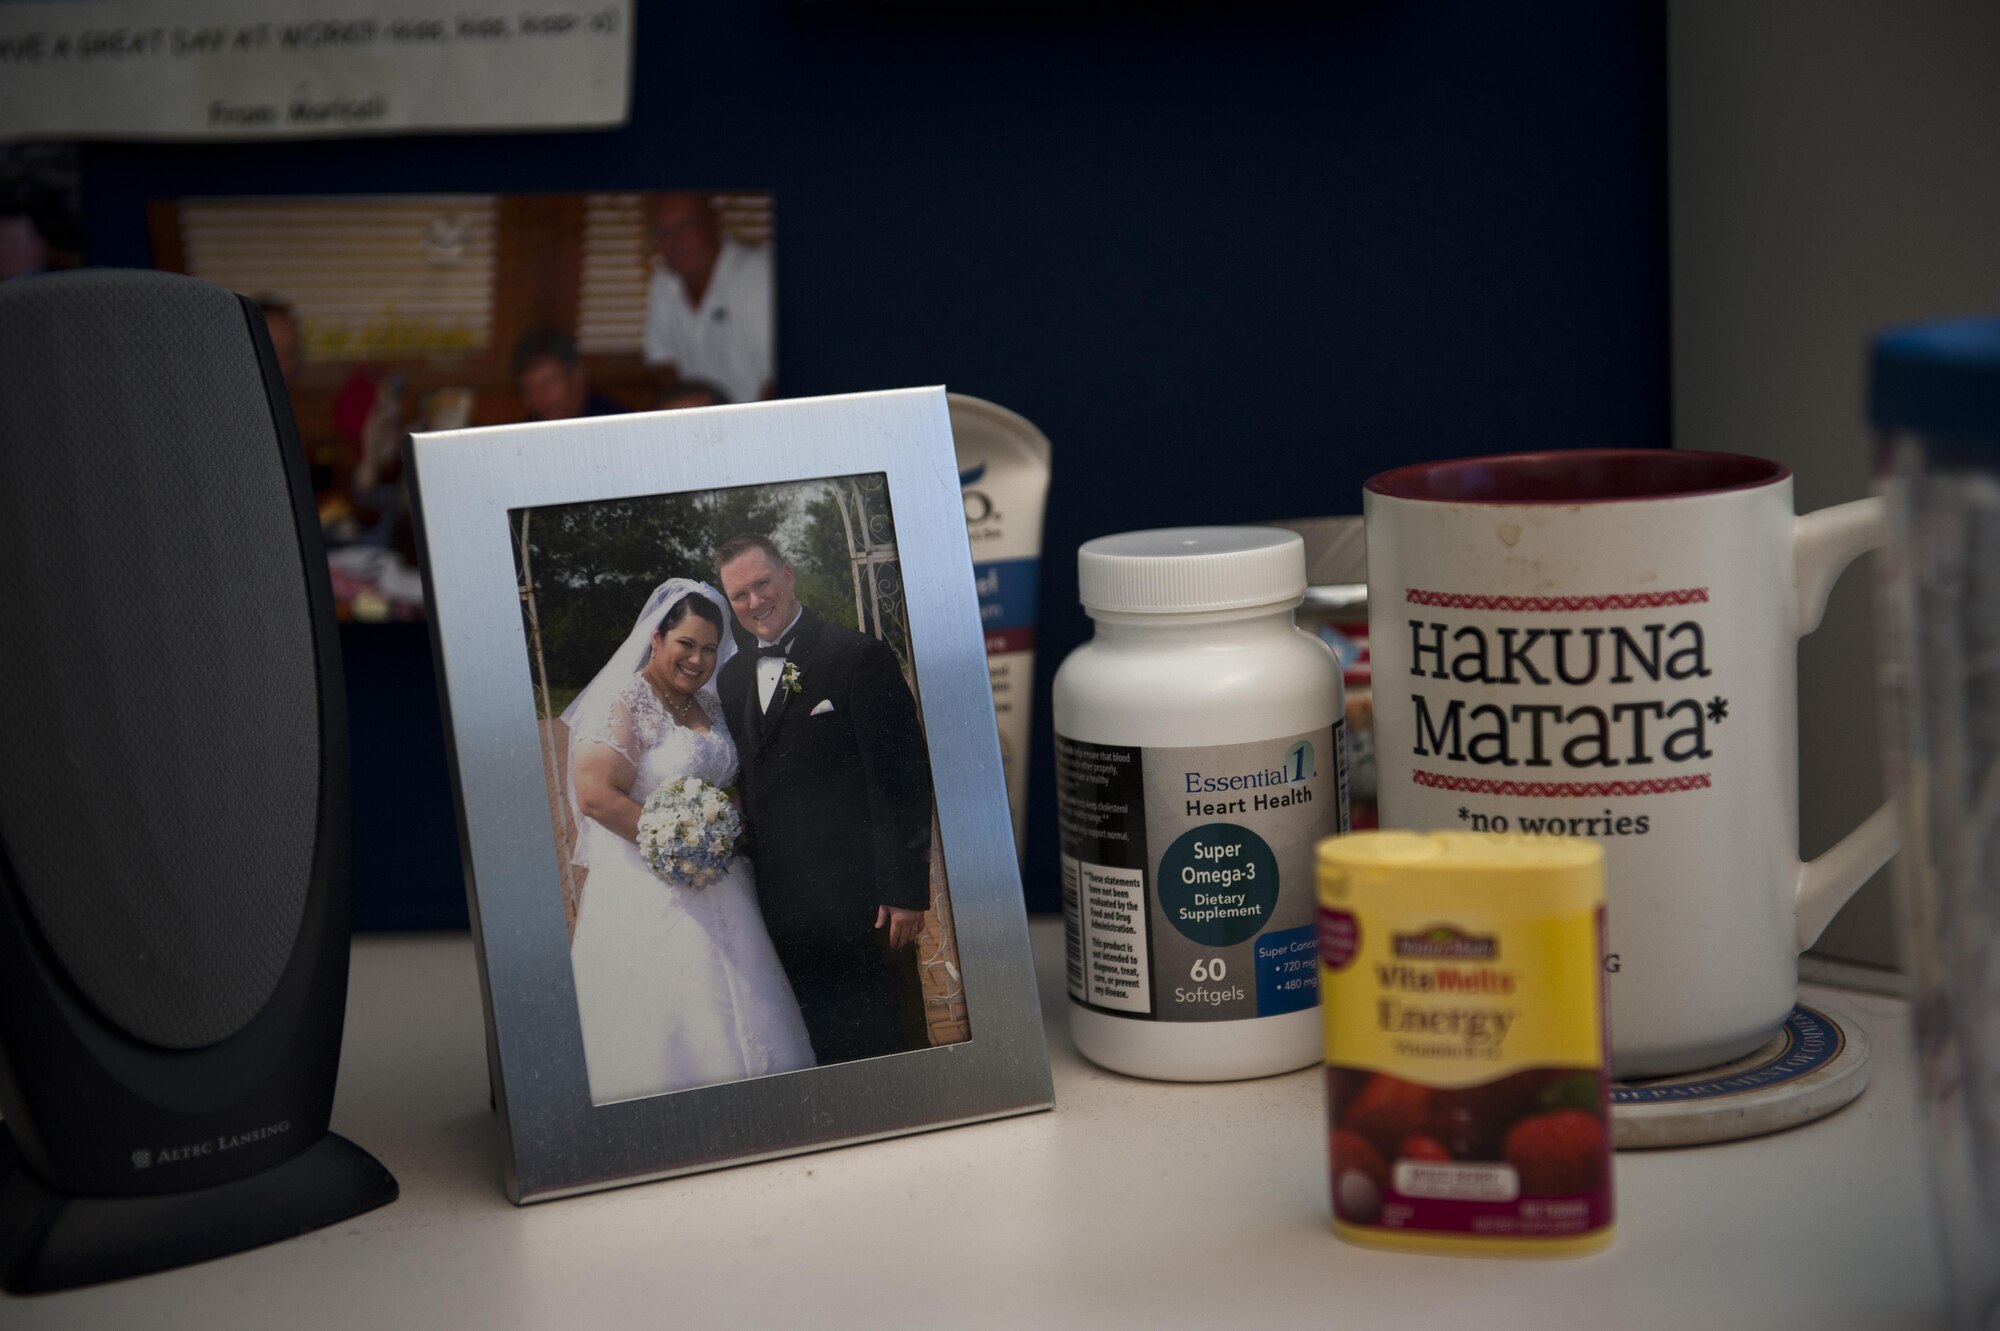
(681, 710)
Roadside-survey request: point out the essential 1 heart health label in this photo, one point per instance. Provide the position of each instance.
(1188, 874)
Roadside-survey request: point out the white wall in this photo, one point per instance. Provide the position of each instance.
(1835, 168)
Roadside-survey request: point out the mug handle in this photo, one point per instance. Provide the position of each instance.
(1824, 543)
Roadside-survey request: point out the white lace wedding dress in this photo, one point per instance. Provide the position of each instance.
(677, 987)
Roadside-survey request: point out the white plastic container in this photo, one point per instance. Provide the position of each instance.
(1199, 760)
(1003, 476)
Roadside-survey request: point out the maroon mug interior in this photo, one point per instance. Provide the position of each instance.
(1580, 476)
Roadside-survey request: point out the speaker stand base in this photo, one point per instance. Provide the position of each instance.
(49, 1241)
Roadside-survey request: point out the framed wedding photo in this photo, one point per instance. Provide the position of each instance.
(741, 870)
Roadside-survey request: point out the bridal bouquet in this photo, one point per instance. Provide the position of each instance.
(688, 831)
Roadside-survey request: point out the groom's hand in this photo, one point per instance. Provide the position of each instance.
(903, 925)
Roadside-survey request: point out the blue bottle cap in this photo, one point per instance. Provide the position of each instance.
(1940, 380)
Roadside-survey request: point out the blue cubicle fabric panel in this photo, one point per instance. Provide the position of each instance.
(407, 870)
(1231, 259)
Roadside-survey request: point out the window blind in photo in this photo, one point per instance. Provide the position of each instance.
(369, 278)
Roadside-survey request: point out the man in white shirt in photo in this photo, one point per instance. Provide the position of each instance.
(709, 313)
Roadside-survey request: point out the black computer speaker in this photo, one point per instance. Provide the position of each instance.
(174, 841)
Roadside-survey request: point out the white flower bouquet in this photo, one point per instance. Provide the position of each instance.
(688, 831)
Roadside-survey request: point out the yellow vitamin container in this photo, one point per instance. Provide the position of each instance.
(1462, 984)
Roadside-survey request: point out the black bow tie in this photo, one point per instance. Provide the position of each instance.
(781, 649)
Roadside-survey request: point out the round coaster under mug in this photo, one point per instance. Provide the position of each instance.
(1817, 1062)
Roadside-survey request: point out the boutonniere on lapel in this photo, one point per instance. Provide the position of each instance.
(789, 681)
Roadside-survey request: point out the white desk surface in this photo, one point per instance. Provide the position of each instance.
(1133, 1203)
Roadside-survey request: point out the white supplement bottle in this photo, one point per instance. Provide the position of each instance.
(1199, 761)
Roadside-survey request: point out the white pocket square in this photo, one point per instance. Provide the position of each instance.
(825, 706)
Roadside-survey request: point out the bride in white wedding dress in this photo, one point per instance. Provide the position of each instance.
(676, 986)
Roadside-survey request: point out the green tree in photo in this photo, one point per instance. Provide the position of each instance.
(593, 564)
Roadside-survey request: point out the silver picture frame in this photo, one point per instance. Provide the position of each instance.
(464, 486)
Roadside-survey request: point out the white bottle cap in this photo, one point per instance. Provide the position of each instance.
(1183, 570)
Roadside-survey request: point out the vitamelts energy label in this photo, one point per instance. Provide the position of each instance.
(1188, 873)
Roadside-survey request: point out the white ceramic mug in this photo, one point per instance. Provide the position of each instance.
(1604, 643)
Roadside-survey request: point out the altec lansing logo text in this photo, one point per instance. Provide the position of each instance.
(1443, 942)
(228, 1141)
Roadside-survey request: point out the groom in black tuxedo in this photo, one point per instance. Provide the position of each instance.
(836, 791)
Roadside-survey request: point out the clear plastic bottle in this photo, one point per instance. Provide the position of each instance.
(1199, 760)
(1936, 404)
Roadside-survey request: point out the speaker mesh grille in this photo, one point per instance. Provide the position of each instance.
(159, 774)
